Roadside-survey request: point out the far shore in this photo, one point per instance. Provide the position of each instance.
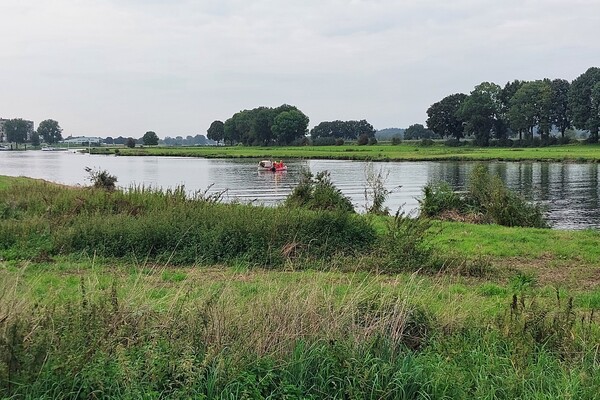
(580, 153)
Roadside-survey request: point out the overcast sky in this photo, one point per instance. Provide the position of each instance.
(123, 67)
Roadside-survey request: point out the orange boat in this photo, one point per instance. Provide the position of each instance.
(274, 166)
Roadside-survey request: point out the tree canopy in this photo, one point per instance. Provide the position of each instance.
(17, 130)
(50, 131)
(584, 102)
(443, 116)
(350, 130)
(216, 131)
(150, 138)
(264, 126)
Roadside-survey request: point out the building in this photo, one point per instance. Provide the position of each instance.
(3, 135)
(83, 141)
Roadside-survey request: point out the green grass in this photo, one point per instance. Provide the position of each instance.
(380, 152)
(148, 294)
(115, 331)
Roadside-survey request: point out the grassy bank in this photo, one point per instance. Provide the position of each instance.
(385, 152)
(81, 330)
(150, 294)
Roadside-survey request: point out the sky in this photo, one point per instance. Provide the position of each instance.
(124, 67)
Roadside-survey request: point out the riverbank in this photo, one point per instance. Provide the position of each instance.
(152, 294)
(385, 152)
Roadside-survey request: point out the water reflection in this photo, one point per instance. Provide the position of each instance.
(569, 191)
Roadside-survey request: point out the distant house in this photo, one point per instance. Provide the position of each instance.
(83, 141)
(3, 136)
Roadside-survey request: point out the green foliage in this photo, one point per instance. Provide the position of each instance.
(487, 200)
(150, 138)
(101, 179)
(16, 130)
(130, 142)
(50, 131)
(362, 140)
(417, 131)
(318, 193)
(216, 131)
(406, 246)
(169, 227)
(349, 130)
(442, 116)
(376, 192)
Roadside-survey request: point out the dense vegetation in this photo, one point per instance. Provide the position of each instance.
(520, 108)
(487, 200)
(279, 302)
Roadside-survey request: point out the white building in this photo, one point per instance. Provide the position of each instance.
(83, 141)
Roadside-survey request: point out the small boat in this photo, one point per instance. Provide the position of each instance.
(274, 166)
(4, 148)
(50, 148)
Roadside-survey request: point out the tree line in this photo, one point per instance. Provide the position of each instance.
(262, 126)
(520, 108)
(19, 131)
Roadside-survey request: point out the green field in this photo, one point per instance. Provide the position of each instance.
(384, 152)
(148, 294)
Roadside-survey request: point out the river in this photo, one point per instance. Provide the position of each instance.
(570, 192)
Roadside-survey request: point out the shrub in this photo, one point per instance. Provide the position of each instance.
(363, 139)
(426, 142)
(324, 141)
(339, 142)
(453, 142)
(487, 196)
(372, 141)
(101, 179)
(318, 193)
(396, 140)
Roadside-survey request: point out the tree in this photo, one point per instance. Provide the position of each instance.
(150, 138)
(216, 131)
(130, 142)
(482, 113)
(35, 139)
(350, 130)
(443, 119)
(584, 102)
(17, 130)
(289, 126)
(50, 131)
(417, 131)
(560, 111)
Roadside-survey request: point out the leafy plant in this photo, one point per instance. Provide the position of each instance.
(101, 179)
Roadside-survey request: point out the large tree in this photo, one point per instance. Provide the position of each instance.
(442, 117)
(150, 138)
(560, 111)
(417, 131)
(349, 130)
(289, 126)
(50, 131)
(584, 102)
(17, 130)
(482, 113)
(530, 107)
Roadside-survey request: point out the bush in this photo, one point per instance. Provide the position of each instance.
(396, 140)
(101, 179)
(426, 142)
(372, 141)
(339, 142)
(324, 141)
(363, 139)
(487, 200)
(318, 193)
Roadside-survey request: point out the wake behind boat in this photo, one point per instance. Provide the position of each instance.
(273, 166)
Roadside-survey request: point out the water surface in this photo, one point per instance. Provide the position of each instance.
(570, 192)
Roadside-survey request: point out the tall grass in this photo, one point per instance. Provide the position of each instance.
(41, 219)
(112, 341)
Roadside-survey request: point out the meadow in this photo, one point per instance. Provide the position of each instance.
(149, 294)
(407, 151)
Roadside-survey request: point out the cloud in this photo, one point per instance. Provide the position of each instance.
(121, 67)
